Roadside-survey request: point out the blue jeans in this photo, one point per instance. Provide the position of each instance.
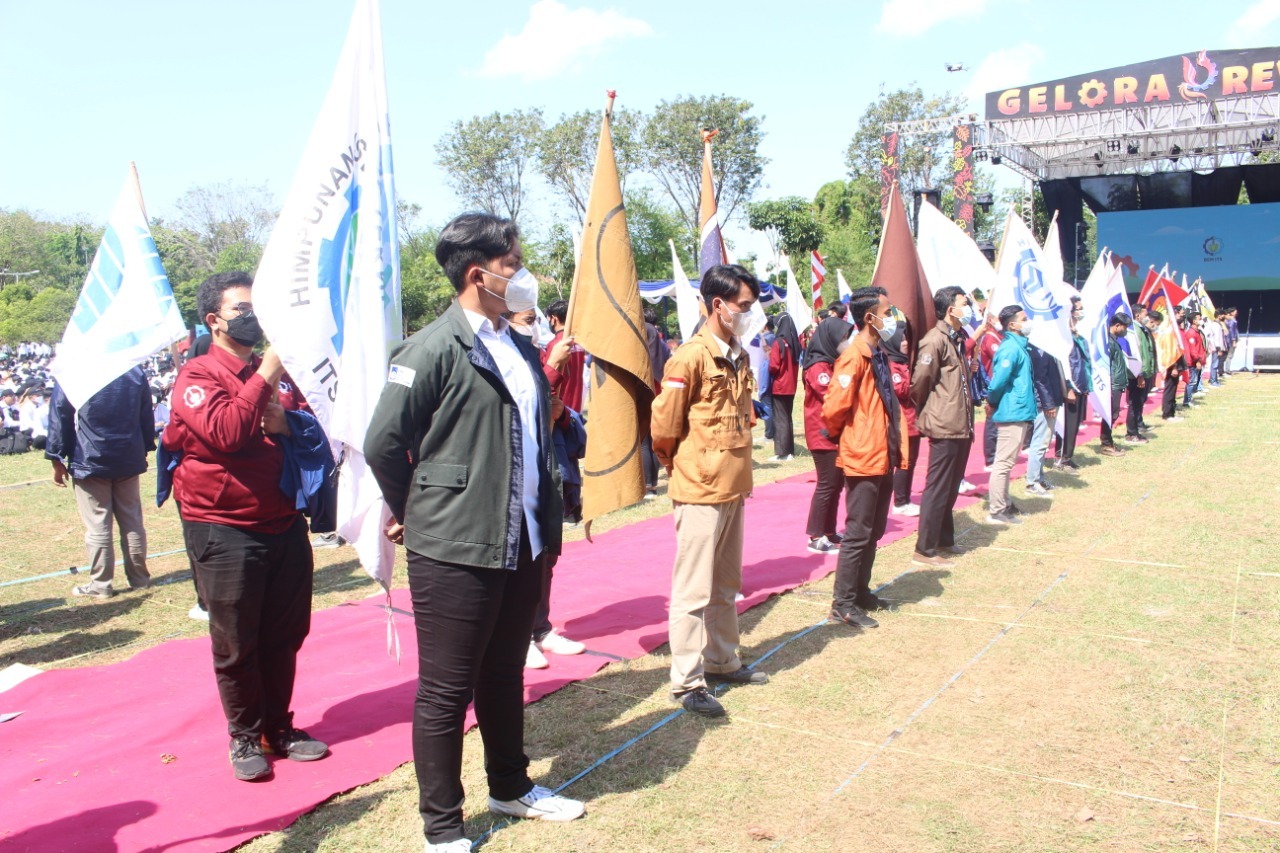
(1215, 362)
(1041, 433)
(1193, 384)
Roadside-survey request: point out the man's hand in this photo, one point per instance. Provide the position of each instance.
(986, 406)
(59, 474)
(1051, 413)
(395, 532)
(273, 420)
(557, 408)
(271, 368)
(560, 352)
(1142, 382)
(1071, 396)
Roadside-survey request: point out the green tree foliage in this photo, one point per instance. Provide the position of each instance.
(850, 219)
(924, 157)
(673, 152)
(789, 224)
(566, 152)
(28, 315)
(653, 226)
(486, 159)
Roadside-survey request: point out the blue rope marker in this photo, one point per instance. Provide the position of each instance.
(75, 570)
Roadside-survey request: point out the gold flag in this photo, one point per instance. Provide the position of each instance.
(605, 318)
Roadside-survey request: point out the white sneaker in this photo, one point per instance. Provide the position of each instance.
(534, 659)
(460, 845)
(541, 804)
(558, 645)
(909, 510)
(651, 496)
(966, 487)
(198, 612)
(988, 468)
(325, 540)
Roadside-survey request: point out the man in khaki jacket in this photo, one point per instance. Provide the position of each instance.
(944, 406)
(701, 430)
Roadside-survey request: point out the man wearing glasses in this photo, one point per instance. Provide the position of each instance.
(246, 540)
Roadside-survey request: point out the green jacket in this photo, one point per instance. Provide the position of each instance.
(444, 446)
(1119, 367)
(1146, 351)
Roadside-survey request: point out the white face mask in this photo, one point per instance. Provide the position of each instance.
(888, 327)
(1027, 325)
(530, 332)
(739, 323)
(966, 315)
(522, 290)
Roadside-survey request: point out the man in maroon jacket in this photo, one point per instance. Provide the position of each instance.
(246, 540)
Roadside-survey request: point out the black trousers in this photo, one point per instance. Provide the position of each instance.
(784, 437)
(1137, 400)
(902, 479)
(649, 461)
(1107, 439)
(473, 629)
(866, 503)
(257, 589)
(1072, 416)
(826, 494)
(989, 435)
(542, 614)
(947, 458)
(195, 581)
(1169, 404)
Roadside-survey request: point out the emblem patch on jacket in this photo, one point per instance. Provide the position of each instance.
(402, 375)
(193, 396)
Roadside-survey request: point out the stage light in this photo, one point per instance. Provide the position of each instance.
(1133, 148)
(1269, 135)
(1174, 153)
(1113, 146)
(996, 160)
(984, 201)
(980, 155)
(1097, 156)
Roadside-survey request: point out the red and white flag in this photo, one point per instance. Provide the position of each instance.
(819, 276)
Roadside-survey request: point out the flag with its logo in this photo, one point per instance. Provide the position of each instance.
(126, 311)
(1021, 280)
(819, 269)
(328, 287)
(712, 251)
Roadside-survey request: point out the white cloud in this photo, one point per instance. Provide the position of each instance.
(913, 17)
(1004, 69)
(557, 39)
(1244, 32)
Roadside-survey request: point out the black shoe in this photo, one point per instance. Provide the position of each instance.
(874, 602)
(741, 675)
(835, 538)
(1013, 509)
(699, 701)
(1046, 485)
(294, 744)
(855, 617)
(247, 760)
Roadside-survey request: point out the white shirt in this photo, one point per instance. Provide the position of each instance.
(518, 376)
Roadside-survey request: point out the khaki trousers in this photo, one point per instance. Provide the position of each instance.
(1009, 440)
(99, 501)
(703, 618)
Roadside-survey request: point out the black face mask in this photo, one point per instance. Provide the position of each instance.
(245, 330)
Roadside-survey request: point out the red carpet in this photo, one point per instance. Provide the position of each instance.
(86, 768)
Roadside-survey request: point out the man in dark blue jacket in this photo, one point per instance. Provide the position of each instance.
(103, 448)
(1046, 379)
(1079, 381)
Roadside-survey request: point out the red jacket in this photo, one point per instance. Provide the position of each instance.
(1193, 346)
(566, 383)
(902, 388)
(816, 380)
(988, 343)
(784, 369)
(230, 469)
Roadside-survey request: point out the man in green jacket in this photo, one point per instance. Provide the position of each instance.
(461, 446)
(1140, 386)
(1117, 329)
(1011, 404)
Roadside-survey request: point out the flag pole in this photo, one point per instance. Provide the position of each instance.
(137, 189)
(610, 96)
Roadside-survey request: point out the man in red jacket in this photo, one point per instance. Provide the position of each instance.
(1196, 353)
(244, 536)
(784, 379)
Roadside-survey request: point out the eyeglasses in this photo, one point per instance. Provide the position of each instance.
(242, 309)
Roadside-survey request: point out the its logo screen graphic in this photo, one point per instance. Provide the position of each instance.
(1212, 246)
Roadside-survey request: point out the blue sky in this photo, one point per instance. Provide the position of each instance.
(199, 93)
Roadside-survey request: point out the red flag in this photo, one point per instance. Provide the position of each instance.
(819, 268)
(899, 272)
(1150, 288)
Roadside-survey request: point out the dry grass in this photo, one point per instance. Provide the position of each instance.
(1055, 691)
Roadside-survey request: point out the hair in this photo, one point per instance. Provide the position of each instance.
(209, 294)
(1120, 319)
(840, 310)
(1007, 314)
(472, 239)
(1155, 315)
(945, 299)
(1193, 316)
(724, 281)
(650, 316)
(558, 309)
(864, 301)
(1076, 300)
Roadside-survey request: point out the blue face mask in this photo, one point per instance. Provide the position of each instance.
(888, 327)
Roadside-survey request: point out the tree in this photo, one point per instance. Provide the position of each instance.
(486, 157)
(567, 152)
(788, 223)
(673, 152)
(223, 223)
(923, 157)
(850, 217)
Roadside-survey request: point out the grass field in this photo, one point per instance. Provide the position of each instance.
(1103, 677)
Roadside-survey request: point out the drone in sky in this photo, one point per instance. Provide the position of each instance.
(956, 66)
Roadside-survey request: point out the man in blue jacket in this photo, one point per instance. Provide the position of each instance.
(102, 449)
(1046, 379)
(1011, 403)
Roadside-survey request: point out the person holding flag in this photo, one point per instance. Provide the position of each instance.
(1079, 381)
(1140, 384)
(461, 447)
(1117, 330)
(1011, 406)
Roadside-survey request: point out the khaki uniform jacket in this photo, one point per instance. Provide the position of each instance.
(701, 424)
(940, 385)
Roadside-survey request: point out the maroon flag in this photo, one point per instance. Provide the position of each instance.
(899, 272)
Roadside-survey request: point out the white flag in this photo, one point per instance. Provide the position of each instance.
(949, 257)
(126, 312)
(1095, 327)
(1021, 280)
(688, 305)
(842, 288)
(328, 288)
(795, 303)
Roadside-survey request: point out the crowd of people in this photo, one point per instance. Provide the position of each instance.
(476, 444)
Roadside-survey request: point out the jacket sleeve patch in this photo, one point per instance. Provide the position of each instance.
(193, 396)
(675, 382)
(401, 375)
(824, 379)
(926, 358)
(844, 379)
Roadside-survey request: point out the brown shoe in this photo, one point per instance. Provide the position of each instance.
(1111, 451)
(918, 559)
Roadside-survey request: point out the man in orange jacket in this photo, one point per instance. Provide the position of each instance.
(701, 428)
(862, 409)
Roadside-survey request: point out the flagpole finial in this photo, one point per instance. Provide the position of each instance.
(709, 134)
(611, 94)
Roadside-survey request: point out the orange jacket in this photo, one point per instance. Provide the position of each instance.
(854, 411)
(701, 423)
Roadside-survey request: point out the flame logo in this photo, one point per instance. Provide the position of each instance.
(1191, 87)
